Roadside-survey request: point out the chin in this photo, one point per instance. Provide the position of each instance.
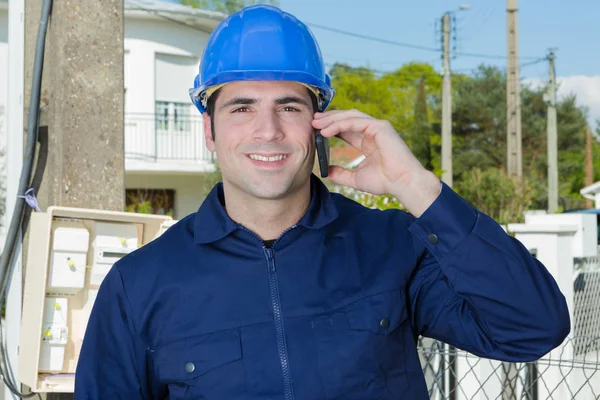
(271, 192)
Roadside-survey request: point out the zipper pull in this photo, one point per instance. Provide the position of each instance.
(270, 261)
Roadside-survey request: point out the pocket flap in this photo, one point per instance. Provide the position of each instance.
(189, 358)
(381, 313)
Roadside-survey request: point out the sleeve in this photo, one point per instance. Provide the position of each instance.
(113, 359)
(479, 289)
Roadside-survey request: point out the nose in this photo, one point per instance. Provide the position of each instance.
(268, 126)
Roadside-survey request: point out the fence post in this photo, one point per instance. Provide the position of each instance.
(552, 244)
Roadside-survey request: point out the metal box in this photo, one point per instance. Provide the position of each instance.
(70, 251)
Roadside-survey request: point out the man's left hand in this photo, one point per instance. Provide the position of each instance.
(389, 167)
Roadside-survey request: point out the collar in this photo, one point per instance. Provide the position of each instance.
(212, 222)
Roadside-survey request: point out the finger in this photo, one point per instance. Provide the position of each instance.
(326, 114)
(359, 125)
(342, 176)
(354, 139)
(336, 115)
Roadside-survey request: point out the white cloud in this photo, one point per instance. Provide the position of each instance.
(585, 88)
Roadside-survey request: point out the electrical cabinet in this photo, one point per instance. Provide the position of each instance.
(70, 242)
(111, 242)
(70, 252)
(54, 334)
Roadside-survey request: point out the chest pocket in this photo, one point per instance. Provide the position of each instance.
(203, 367)
(362, 348)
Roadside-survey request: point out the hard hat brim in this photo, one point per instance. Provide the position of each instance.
(327, 93)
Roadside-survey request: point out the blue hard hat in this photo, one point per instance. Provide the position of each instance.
(261, 43)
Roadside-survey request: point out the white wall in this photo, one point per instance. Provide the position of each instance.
(145, 38)
(188, 196)
(3, 74)
(3, 101)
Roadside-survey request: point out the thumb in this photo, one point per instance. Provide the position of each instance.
(342, 176)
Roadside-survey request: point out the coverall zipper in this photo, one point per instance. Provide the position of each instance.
(276, 304)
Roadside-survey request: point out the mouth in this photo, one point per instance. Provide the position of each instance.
(268, 158)
(268, 161)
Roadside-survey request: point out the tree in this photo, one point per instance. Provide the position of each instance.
(479, 134)
(390, 96)
(500, 196)
(226, 6)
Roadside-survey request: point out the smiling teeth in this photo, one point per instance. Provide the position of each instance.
(268, 159)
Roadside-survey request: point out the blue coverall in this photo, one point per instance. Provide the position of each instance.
(332, 310)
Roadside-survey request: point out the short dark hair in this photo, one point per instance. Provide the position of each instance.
(210, 108)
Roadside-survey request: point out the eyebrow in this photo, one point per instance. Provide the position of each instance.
(280, 101)
(239, 101)
(292, 99)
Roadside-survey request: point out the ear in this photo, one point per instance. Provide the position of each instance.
(210, 143)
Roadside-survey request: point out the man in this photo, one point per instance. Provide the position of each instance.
(278, 289)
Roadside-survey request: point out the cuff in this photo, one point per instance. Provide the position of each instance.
(446, 223)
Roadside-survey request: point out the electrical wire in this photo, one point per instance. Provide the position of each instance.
(8, 258)
(342, 32)
(374, 39)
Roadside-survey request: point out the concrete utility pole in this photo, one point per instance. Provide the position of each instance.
(552, 139)
(589, 165)
(513, 96)
(82, 105)
(446, 103)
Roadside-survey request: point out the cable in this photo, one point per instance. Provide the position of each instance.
(402, 44)
(492, 56)
(341, 32)
(8, 259)
(374, 39)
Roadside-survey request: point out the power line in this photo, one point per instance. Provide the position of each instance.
(342, 32)
(403, 44)
(492, 56)
(374, 39)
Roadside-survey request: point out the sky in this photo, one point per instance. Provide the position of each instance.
(569, 26)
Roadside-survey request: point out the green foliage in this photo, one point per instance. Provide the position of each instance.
(500, 196)
(225, 6)
(144, 207)
(391, 97)
(479, 132)
(210, 180)
(149, 201)
(369, 200)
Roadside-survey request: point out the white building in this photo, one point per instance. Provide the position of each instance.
(165, 154)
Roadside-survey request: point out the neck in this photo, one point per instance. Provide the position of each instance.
(266, 218)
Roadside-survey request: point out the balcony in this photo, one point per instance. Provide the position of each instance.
(166, 144)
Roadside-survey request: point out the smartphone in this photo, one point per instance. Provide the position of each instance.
(322, 153)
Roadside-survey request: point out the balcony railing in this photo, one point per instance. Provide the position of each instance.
(155, 138)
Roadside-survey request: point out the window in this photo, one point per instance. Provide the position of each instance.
(172, 116)
(174, 76)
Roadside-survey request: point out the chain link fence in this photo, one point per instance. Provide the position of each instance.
(571, 371)
(457, 375)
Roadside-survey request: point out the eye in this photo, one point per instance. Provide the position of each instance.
(290, 108)
(241, 109)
